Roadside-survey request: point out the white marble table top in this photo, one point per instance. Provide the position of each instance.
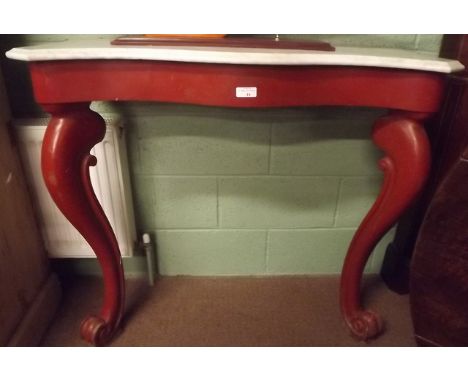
(343, 56)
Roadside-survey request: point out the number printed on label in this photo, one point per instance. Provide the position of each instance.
(246, 92)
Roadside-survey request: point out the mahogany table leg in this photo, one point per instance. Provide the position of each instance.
(72, 131)
(406, 166)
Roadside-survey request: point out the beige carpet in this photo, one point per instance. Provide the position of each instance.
(232, 311)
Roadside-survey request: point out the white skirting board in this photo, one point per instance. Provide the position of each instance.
(110, 182)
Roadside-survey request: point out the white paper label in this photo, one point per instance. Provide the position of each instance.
(250, 92)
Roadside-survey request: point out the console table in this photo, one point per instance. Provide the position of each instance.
(67, 76)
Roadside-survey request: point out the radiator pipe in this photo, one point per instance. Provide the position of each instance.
(150, 258)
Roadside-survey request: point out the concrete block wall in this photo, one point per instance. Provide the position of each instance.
(252, 192)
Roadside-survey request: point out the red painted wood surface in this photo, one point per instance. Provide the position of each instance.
(71, 133)
(406, 167)
(65, 89)
(215, 84)
(227, 41)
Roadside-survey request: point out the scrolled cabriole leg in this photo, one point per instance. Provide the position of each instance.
(406, 166)
(72, 132)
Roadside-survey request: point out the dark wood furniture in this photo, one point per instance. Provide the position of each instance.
(439, 269)
(29, 291)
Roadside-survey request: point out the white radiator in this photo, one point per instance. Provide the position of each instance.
(110, 182)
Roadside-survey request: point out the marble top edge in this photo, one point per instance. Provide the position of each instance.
(343, 56)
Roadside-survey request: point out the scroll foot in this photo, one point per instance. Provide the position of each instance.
(365, 325)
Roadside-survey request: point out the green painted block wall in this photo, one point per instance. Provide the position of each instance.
(242, 192)
(252, 192)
